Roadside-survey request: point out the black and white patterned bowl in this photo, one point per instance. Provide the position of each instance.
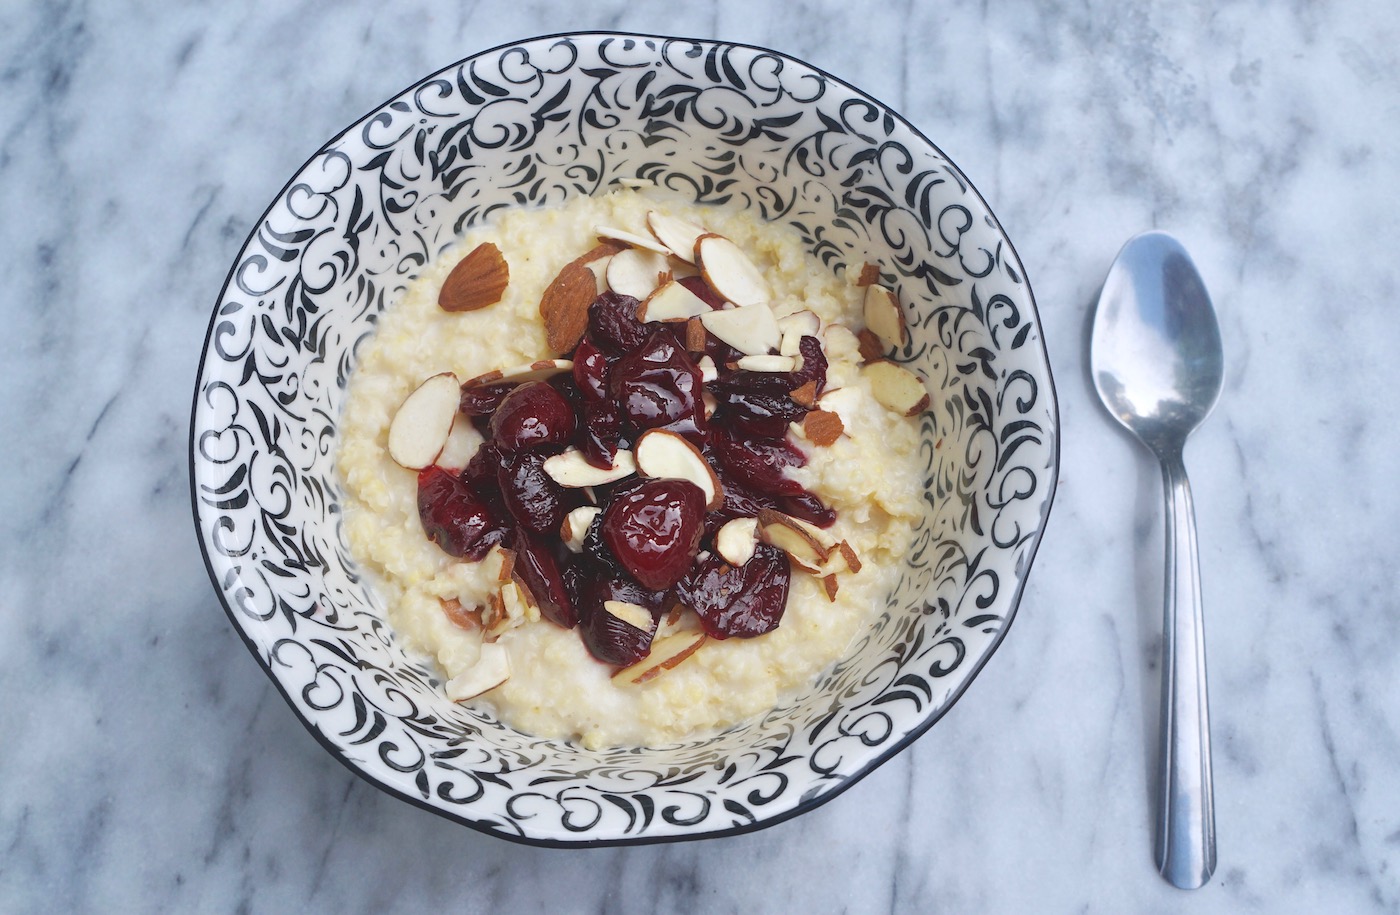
(534, 124)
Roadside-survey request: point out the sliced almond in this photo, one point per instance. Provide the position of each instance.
(478, 280)
(669, 302)
(636, 272)
(710, 402)
(504, 562)
(665, 654)
(728, 271)
(830, 586)
(666, 454)
(538, 370)
(634, 615)
(461, 445)
(766, 363)
(599, 269)
(822, 428)
(695, 336)
(794, 327)
(871, 349)
(806, 544)
(575, 526)
(884, 317)
(869, 273)
(838, 341)
(676, 619)
(492, 668)
(420, 427)
(806, 395)
(848, 553)
(736, 540)
(468, 618)
(751, 329)
(786, 308)
(708, 370)
(896, 388)
(632, 240)
(678, 235)
(564, 306)
(572, 470)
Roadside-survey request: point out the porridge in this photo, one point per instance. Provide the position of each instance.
(632, 485)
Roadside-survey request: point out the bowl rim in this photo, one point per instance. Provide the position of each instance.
(887, 751)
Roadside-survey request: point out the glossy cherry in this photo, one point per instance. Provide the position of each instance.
(452, 515)
(612, 323)
(534, 415)
(739, 602)
(654, 530)
(591, 366)
(537, 568)
(483, 399)
(658, 386)
(702, 291)
(758, 463)
(531, 495)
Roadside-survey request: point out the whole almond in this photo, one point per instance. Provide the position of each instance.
(478, 280)
(564, 306)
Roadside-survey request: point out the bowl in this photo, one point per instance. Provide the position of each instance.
(533, 124)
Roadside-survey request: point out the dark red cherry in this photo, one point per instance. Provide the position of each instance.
(452, 516)
(756, 413)
(533, 415)
(483, 399)
(654, 530)
(658, 386)
(609, 639)
(702, 291)
(814, 364)
(530, 494)
(601, 433)
(758, 463)
(537, 568)
(808, 507)
(591, 371)
(740, 602)
(612, 323)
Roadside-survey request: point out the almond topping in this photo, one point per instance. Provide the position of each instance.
(884, 317)
(460, 616)
(896, 388)
(806, 544)
(678, 235)
(728, 271)
(420, 427)
(461, 445)
(822, 428)
(695, 336)
(667, 454)
(530, 371)
(736, 540)
(806, 395)
(871, 349)
(632, 240)
(636, 272)
(492, 668)
(478, 280)
(869, 273)
(572, 470)
(665, 654)
(575, 527)
(670, 301)
(564, 306)
(751, 329)
(767, 363)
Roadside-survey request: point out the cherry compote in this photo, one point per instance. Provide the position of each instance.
(657, 386)
(654, 530)
(453, 516)
(742, 601)
(532, 415)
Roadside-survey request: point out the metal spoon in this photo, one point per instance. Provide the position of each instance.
(1158, 367)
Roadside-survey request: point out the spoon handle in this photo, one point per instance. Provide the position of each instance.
(1186, 799)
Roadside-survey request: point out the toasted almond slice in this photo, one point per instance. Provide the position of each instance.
(822, 428)
(636, 272)
(794, 327)
(869, 273)
(478, 280)
(806, 544)
(751, 329)
(492, 668)
(695, 336)
(633, 240)
(736, 540)
(461, 445)
(728, 271)
(663, 453)
(678, 235)
(884, 317)
(848, 553)
(420, 427)
(671, 301)
(634, 615)
(896, 388)
(468, 618)
(708, 370)
(572, 470)
(538, 370)
(665, 654)
(806, 395)
(564, 306)
(575, 527)
(766, 363)
(871, 349)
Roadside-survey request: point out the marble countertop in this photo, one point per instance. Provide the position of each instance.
(146, 764)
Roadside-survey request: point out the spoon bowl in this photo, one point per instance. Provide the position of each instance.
(1158, 365)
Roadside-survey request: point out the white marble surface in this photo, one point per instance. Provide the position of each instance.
(147, 764)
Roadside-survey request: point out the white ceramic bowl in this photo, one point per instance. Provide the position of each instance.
(534, 124)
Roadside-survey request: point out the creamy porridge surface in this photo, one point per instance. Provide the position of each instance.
(870, 477)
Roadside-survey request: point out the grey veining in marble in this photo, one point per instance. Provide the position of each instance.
(146, 764)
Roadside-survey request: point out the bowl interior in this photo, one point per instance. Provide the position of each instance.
(534, 124)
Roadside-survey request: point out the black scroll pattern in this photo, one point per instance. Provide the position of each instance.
(535, 124)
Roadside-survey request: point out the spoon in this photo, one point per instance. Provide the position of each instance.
(1157, 363)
